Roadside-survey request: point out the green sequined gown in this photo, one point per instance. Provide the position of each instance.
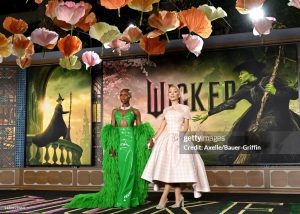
(123, 186)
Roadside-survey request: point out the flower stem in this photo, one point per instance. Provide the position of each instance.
(102, 49)
(72, 30)
(167, 37)
(141, 19)
(119, 12)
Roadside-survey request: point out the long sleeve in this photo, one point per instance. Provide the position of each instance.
(231, 102)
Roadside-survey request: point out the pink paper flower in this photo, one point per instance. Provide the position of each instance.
(90, 58)
(193, 43)
(38, 1)
(294, 3)
(263, 26)
(70, 12)
(118, 45)
(44, 37)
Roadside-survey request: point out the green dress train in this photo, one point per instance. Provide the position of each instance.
(123, 186)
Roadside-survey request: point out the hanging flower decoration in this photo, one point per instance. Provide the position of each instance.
(70, 63)
(263, 26)
(90, 58)
(38, 1)
(245, 6)
(153, 46)
(51, 13)
(23, 49)
(196, 21)
(15, 26)
(194, 43)
(143, 6)
(24, 62)
(44, 37)
(212, 13)
(69, 46)
(70, 12)
(5, 47)
(114, 4)
(104, 32)
(118, 45)
(163, 21)
(294, 3)
(88, 19)
(132, 34)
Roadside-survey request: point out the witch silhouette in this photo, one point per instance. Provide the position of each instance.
(56, 129)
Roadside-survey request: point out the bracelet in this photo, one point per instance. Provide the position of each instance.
(153, 140)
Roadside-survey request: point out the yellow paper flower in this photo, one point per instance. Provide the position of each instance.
(5, 46)
(70, 63)
(212, 13)
(104, 32)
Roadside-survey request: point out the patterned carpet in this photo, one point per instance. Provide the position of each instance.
(48, 202)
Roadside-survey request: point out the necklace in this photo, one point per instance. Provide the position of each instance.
(125, 107)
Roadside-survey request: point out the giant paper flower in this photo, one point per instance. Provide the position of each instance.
(21, 46)
(38, 1)
(163, 21)
(90, 58)
(294, 3)
(142, 5)
(51, 8)
(71, 63)
(263, 26)
(5, 46)
(88, 19)
(70, 12)
(118, 45)
(153, 46)
(212, 13)
(104, 32)
(245, 6)
(114, 4)
(44, 37)
(132, 34)
(193, 43)
(69, 45)
(15, 26)
(196, 21)
(24, 62)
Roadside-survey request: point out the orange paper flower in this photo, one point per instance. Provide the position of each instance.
(22, 46)
(142, 5)
(196, 21)
(114, 4)
(88, 19)
(51, 8)
(4, 46)
(24, 62)
(244, 6)
(163, 21)
(69, 45)
(153, 46)
(15, 26)
(132, 34)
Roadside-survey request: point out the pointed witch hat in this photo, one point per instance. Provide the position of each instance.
(59, 98)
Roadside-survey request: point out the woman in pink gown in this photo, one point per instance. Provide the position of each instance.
(167, 165)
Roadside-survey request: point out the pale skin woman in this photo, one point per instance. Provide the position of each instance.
(174, 95)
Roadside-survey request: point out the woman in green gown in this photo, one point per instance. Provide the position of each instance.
(125, 156)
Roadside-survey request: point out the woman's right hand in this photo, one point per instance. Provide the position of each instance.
(150, 144)
(112, 153)
(201, 117)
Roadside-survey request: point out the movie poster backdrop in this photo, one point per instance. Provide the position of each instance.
(228, 85)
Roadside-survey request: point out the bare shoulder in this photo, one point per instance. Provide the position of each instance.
(114, 110)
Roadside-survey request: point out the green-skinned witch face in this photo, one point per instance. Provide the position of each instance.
(245, 77)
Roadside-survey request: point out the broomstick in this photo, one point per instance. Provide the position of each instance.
(68, 137)
(244, 157)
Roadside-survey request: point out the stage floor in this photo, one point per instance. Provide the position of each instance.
(51, 202)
